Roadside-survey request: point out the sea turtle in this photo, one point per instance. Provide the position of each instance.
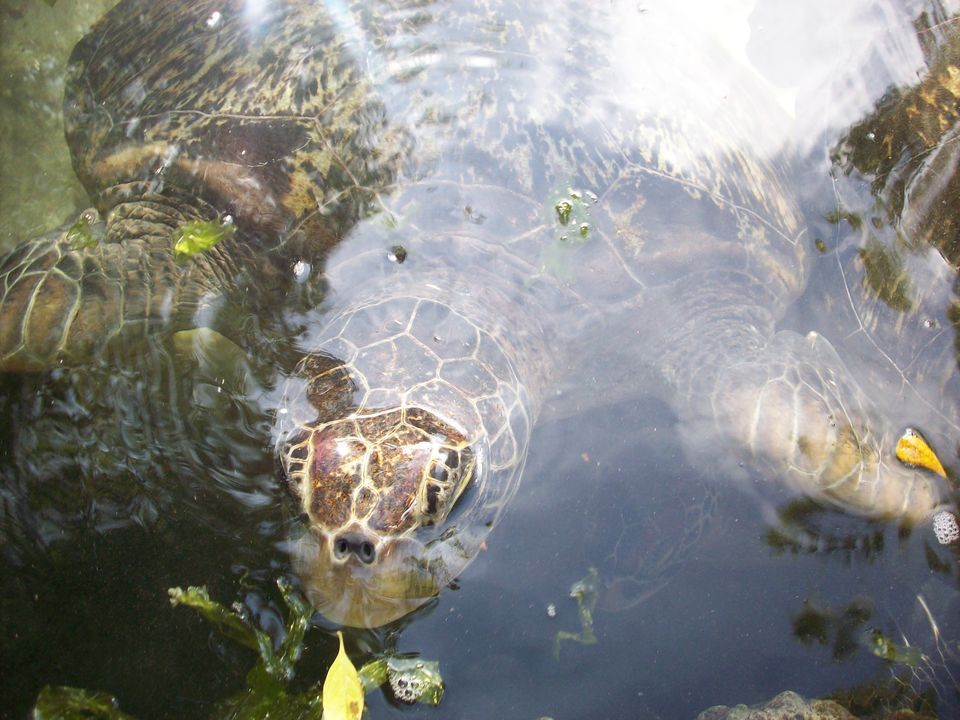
(456, 215)
(888, 239)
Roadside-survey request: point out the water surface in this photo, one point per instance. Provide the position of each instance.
(754, 607)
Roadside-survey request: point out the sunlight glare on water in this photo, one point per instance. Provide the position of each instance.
(160, 466)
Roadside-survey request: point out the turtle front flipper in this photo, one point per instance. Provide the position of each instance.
(68, 294)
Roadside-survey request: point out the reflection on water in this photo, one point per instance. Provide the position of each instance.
(906, 146)
(343, 388)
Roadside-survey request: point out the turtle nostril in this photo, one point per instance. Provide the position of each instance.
(354, 544)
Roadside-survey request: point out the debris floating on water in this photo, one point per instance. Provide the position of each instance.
(198, 236)
(415, 680)
(883, 647)
(585, 593)
(914, 451)
(342, 689)
(301, 271)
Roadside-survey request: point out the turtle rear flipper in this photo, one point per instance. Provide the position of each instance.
(68, 294)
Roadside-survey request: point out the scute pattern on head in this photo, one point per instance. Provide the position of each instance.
(389, 473)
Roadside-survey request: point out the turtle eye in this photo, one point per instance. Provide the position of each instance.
(439, 472)
(445, 480)
(437, 488)
(433, 499)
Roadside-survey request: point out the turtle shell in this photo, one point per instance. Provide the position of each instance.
(263, 112)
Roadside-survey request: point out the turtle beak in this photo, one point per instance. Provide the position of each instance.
(359, 594)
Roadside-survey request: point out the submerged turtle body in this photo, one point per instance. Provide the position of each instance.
(492, 211)
(264, 121)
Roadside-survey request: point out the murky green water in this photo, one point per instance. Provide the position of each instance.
(38, 187)
(145, 472)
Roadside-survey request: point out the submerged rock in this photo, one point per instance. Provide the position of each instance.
(785, 706)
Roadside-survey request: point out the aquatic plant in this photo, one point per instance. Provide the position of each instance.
(267, 692)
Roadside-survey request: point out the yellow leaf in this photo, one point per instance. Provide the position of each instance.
(914, 451)
(342, 691)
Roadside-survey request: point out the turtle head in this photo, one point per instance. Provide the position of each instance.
(402, 434)
(378, 493)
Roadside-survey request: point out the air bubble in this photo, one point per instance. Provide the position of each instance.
(301, 271)
(404, 690)
(945, 527)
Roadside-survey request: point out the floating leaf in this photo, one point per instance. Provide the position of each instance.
(373, 674)
(80, 235)
(342, 689)
(913, 450)
(198, 236)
